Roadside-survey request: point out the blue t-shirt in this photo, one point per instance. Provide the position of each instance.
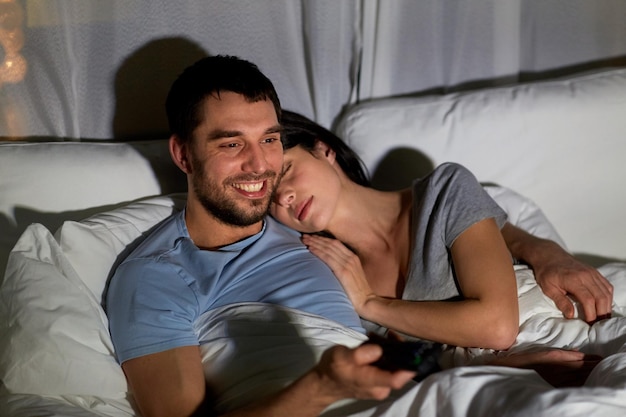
(158, 292)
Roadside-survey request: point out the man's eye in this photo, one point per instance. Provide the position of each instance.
(270, 140)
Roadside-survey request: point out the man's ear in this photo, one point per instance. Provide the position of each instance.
(323, 150)
(179, 152)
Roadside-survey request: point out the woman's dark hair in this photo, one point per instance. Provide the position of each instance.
(210, 76)
(298, 130)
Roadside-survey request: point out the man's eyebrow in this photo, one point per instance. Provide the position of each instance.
(223, 133)
(274, 129)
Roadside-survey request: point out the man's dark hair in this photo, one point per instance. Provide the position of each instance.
(210, 76)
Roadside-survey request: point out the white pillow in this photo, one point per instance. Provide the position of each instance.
(559, 142)
(50, 182)
(54, 337)
(94, 245)
(524, 213)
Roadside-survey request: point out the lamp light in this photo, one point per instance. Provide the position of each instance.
(13, 67)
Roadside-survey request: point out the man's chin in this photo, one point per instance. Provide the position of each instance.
(243, 217)
(247, 221)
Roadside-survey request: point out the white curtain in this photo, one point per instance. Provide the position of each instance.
(417, 46)
(100, 69)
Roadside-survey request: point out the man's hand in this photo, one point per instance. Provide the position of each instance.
(340, 374)
(348, 373)
(560, 275)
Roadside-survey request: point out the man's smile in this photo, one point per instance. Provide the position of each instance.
(250, 187)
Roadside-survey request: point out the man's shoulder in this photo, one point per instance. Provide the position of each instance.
(281, 237)
(161, 239)
(148, 259)
(275, 228)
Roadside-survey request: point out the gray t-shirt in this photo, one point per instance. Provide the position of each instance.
(445, 204)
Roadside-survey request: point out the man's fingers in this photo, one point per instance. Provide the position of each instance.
(605, 296)
(588, 304)
(596, 298)
(563, 303)
(593, 291)
(367, 353)
(602, 291)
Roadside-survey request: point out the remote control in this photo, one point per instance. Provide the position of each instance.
(418, 356)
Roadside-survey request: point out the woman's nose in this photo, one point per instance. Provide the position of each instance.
(285, 196)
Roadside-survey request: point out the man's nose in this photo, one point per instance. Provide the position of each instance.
(254, 160)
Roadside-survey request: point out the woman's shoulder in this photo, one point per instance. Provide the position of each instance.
(452, 169)
(445, 174)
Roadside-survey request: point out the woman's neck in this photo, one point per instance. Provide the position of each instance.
(369, 220)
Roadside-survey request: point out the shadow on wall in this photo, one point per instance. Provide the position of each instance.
(142, 83)
(399, 167)
(402, 165)
(141, 86)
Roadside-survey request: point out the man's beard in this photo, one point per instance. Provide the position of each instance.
(213, 198)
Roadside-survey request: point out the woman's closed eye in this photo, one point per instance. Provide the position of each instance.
(286, 169)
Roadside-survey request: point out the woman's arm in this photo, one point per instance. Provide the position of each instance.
(488, 315)
(558, 274)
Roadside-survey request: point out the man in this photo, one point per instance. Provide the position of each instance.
(181, 305)
(224, 116)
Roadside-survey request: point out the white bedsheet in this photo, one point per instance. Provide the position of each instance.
(254, 349)
(244, 341)
(542, 324)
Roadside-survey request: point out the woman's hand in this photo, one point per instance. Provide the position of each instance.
(487, 317)
(346, 266)
(560, 368)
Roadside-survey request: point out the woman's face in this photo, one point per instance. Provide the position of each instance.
(308, 191)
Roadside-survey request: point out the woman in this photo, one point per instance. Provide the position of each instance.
(429, 261)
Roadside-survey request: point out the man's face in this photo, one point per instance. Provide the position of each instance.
(236, 155)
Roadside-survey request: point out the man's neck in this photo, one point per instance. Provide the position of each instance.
(210, 233)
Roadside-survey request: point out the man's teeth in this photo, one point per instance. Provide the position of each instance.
(249, 188)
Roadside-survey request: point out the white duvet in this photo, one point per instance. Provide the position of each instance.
(251, 350)
(56, 352)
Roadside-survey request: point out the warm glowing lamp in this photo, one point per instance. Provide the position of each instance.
(13, 67)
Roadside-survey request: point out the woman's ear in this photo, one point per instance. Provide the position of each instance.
(179, 153)
(323, 150)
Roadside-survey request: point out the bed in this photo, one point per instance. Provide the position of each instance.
(549, 153)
